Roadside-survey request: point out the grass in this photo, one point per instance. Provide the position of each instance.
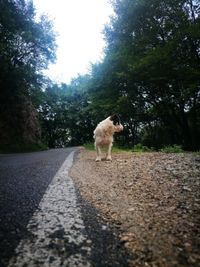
(139, 148)
(89, 146)
(118, 149)
(115, 149)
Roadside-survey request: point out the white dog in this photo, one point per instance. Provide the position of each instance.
(103, 135)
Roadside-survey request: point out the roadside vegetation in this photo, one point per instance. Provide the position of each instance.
(139, 148)
(150, 76)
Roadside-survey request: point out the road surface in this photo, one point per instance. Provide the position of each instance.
(43, 219)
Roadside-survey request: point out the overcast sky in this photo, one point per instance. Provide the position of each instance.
(79, 24)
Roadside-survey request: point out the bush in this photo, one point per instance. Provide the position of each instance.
(141, 148)
(172, 149)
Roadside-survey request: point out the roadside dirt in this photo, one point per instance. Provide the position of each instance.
(154, 200)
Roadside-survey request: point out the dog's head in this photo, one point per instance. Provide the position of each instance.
(115, 119)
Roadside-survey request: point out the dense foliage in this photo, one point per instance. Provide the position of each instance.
(151, 71)
(65, 115)
(150, 75)
(26, 47)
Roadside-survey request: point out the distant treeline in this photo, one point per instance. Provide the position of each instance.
(150, 76)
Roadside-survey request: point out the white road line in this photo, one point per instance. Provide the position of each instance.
(57, 233)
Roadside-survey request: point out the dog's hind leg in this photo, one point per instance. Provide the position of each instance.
(98, 150)
(108, 157)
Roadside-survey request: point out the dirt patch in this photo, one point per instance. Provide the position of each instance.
(153, 198)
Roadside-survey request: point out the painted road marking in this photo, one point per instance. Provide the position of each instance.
(56, 231)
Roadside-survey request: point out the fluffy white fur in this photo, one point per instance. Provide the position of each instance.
(103, 135)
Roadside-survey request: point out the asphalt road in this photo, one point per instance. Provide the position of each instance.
(43, 219)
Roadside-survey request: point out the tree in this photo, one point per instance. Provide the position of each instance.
(152, 69)
(26, 48)
(65, 116)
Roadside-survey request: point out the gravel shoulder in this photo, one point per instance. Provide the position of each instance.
(154, 200)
